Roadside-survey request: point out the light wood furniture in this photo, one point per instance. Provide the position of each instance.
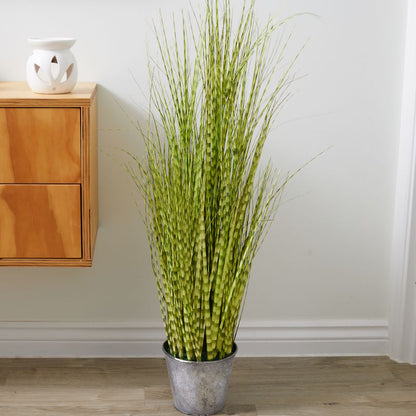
(48, 176)
(336, 386)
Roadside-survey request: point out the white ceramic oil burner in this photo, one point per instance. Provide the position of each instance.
(52, 68)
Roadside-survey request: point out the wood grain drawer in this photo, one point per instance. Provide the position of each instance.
(40, 221)
(40, 145)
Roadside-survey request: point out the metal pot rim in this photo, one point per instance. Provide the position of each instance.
(170, 356)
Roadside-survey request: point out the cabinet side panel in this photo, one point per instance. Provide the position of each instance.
(94, 172)
(89, 177)
(85, 183)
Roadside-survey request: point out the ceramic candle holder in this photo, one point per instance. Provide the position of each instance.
(52, 68)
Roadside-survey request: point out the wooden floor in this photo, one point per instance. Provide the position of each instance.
(351, 386)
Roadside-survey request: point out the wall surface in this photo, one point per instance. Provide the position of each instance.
(327, 257)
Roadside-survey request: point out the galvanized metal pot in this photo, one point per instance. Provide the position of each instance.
(199, 388)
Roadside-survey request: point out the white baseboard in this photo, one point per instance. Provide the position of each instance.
(255, 338)
(313, 338)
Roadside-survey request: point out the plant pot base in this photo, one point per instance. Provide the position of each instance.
(199, 388)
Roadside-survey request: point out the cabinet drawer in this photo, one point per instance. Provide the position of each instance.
(40, 145)
(40, 221)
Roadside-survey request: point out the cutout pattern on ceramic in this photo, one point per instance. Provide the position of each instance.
(52, 68)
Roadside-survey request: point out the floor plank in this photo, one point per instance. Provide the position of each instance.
(336, 386)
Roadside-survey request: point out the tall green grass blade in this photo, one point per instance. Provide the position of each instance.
(208, 205)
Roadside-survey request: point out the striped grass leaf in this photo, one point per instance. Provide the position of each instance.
(216, 90)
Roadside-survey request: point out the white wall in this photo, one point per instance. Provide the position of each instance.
(328, 255)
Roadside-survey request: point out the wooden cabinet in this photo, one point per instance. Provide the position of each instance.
(48, 176)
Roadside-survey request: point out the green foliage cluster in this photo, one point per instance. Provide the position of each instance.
(208, 202)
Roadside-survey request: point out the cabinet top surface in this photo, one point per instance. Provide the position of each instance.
(19, 94)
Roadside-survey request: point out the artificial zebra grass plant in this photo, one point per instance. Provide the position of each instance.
(208, 199)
